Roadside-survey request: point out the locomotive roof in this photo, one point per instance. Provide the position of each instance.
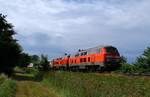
(100, 46)
(89, 49)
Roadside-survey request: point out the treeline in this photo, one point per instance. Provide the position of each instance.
(141, 64)
(38, 62)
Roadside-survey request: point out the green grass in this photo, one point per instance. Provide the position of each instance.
(28, 85)
(69, 84)
(28, 74)
(7, 87)
(33, 89)
(2, 78)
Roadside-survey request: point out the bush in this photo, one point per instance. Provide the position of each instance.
(2, 78)
(37, 75)
(30, 70)
(127, 68)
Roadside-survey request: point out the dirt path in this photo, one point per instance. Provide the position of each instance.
(33, 89)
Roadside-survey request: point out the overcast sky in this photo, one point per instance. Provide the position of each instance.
(54, 27)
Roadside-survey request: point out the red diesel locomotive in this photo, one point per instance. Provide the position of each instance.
(97, 58)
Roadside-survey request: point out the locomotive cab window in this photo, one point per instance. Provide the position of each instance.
(111, 50)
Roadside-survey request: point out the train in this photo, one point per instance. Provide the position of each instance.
(93, 59)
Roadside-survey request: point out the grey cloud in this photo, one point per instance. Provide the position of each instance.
(41, 44)
(57, 26)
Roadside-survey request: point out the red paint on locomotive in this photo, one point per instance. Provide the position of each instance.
(98, 57)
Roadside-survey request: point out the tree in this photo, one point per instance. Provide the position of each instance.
(35, 59)
(44, 63)
(124, 66)
(10, 50)
(143, 61)
(25, 60)
(123, 60)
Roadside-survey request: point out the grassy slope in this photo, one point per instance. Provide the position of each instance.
(7, 87)
(97, 85)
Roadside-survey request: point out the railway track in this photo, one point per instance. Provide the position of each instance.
(125, 74)
(137, 74)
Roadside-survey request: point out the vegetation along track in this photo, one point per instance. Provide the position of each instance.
(33, 89)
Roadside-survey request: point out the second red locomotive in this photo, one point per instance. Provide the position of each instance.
(97, 58)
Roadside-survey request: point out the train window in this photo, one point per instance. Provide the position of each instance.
(81, 60)
(84, 59)
(88, 59)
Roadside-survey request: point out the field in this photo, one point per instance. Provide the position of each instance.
(97, 85)
(75, 84)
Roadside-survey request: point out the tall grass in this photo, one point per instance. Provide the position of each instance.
(97, 85)
(7, 87)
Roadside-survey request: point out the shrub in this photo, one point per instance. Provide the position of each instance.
(2, 78)
(37, 75)
(127, 68)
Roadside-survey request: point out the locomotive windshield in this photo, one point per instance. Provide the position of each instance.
(111, 50)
